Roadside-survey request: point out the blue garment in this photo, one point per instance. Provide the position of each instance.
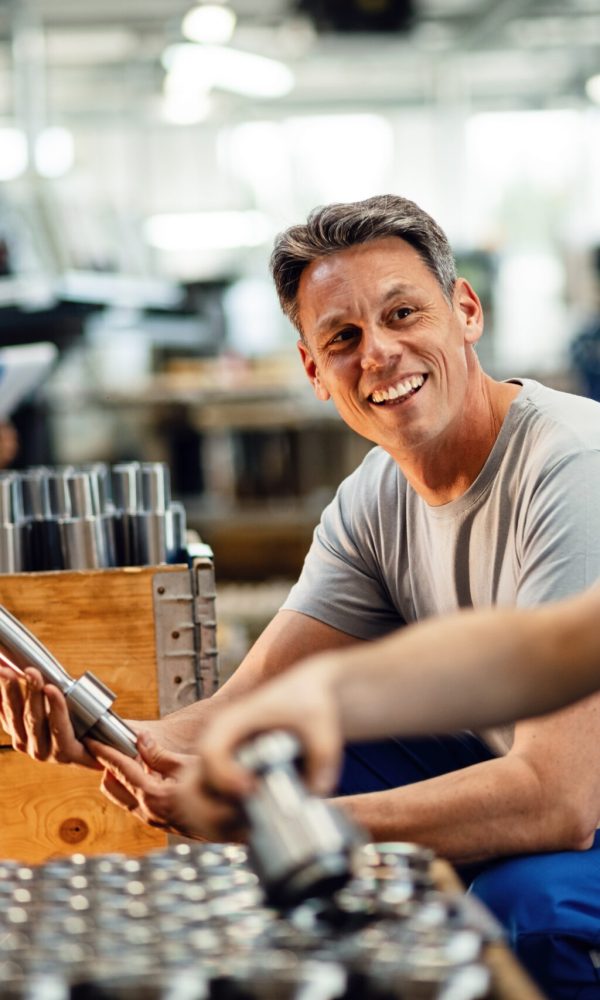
(549, 904)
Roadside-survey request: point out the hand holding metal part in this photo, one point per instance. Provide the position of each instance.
(300, 846)
(88, 699)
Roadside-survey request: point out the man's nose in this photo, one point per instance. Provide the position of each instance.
(378, 346)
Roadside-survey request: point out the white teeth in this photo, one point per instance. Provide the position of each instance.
(398, 390)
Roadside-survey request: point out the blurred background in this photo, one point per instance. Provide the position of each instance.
(151, 149)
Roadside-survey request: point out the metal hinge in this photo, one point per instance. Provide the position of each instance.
(185, 634)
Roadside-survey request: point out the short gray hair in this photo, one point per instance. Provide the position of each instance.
(336, 227)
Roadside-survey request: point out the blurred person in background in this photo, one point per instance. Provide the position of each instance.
(9, 444)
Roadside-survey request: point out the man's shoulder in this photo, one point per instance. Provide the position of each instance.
(564, 419)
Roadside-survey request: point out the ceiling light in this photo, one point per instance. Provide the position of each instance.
(228, 69)
(13, 153)
(184, 108)
(209, 23)
(54, 152)
(592, 88)
(207, 230)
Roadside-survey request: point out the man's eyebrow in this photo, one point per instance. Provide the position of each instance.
(336, 320)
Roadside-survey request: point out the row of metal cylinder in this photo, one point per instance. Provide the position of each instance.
(190, 923)
(89, 517)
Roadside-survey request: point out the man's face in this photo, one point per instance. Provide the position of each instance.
(384, 343)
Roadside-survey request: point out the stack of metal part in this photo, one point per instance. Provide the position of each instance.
(191, 923)
(89, 517)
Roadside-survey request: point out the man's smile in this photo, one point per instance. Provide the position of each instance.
(399, 391)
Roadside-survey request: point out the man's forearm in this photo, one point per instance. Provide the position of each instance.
(471, 670)
(487, 810)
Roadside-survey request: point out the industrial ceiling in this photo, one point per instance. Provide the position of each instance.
(97, 59)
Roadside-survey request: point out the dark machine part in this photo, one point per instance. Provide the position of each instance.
(301, 847)
(89, 700)
(190, 923)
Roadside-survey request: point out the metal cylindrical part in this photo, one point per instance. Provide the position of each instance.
(156, 489)
(11, 499)
(34, 487)
(112, 730)
(300, 846)
(58, 493)
(86, 542)
(90, 702)
(152, 537)
(177, 517)
(83, 501)
(13, 548)
(100, 483)
(126, 489)
(125, 551)
(24, 650)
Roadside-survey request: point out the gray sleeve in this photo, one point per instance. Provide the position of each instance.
(341, 583)
(560, 549)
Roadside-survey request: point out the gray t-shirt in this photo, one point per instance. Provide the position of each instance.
(527, 530)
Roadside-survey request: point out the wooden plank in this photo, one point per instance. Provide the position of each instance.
(49, 810)
(101, 621)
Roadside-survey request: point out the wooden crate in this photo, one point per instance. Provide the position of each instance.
(148, 633)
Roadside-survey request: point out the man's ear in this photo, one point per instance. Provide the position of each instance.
(469, 309)
(312, 372)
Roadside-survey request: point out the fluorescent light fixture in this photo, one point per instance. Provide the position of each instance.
(209, 23)
(207, 230)
(592, 88)
(183, 108)
(228, 69)
(54, 152)
(13, 153)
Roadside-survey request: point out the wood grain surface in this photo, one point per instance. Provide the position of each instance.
(101, 621)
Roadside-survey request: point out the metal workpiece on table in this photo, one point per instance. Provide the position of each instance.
(88, 699)
(300, 845)
(190, 923)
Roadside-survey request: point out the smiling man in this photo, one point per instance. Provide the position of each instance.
(479, 493)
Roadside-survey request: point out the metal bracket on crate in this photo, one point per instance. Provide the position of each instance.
(203, 572)
(185, 630)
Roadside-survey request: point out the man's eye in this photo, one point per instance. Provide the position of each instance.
(343, 335)
(402, 312)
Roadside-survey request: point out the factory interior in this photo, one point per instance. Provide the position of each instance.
(150, 153)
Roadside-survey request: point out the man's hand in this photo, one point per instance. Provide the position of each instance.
(36, 717)
(300, 701)
(166, 790)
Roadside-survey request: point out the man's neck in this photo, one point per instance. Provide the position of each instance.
(444, 470)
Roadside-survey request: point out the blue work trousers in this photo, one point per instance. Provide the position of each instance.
(549, 904)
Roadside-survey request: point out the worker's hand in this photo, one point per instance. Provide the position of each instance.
(36, 717)
(299, 701)
(165, 790)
